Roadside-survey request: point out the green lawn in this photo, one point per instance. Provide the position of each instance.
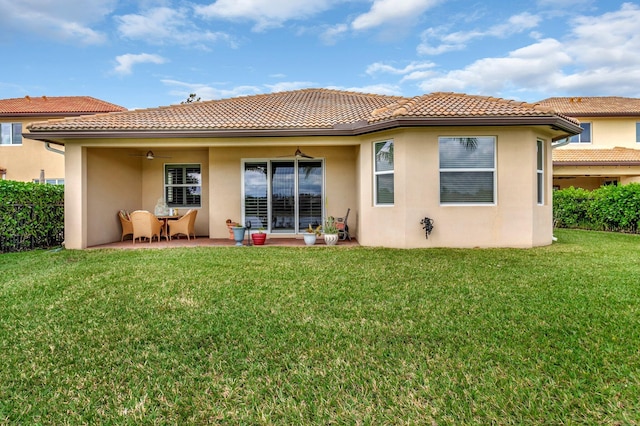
(317, 335)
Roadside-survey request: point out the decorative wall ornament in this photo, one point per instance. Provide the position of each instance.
(427, 225)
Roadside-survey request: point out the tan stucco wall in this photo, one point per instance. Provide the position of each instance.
(24, 162)
(609, 132)
(516, 220)
(115, 181)
(119, 181)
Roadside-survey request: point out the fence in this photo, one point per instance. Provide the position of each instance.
(27, 227)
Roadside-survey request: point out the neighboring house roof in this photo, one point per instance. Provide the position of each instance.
(596, 157)
(601, 106)
(55, 106)
(308, 112)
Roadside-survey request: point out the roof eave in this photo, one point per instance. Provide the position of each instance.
(596, 163)
(352, 129)
(50, 114)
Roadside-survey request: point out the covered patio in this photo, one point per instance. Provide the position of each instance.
(217, 242)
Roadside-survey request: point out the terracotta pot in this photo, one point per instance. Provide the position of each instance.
(259, 238)
(230, 227)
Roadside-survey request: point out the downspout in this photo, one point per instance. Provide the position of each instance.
(48, 147)
(559, 143)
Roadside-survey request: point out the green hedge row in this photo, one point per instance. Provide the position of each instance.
(31, 216)
(608, 208)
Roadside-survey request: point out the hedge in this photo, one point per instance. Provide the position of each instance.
(608, 208)
(31, 216)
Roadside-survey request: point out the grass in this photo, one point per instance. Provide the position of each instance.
(316, 335)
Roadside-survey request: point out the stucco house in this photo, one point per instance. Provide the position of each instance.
(607, 152)
(480, 167)
(26, 160)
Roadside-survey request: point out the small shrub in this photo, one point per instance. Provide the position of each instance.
(616, 208)
(571, 206)
(31, 215)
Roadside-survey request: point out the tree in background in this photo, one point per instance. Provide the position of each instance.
(192, 98)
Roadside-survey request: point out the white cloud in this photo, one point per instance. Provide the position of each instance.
(265, 13)
(531, 66)
(127, 61)
(598, 57)
(289, 85)
(163, 25)
(383, 12)
(379, 67)
(333, 33)
(206, 92)
(436, 41)
(379, 89)
(609, 40)
(63, 20)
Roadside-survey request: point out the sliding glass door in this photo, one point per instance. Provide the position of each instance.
(283, 196)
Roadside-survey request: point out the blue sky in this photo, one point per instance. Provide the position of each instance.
(148, 53)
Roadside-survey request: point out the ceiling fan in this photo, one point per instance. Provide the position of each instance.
(299, 154)
(149, 155)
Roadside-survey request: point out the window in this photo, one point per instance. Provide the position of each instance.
(585, 136)
(50, 181)
(383, 173)
(638, 132)
(540, 171)
(283, 196)
(183, 185)
(467, 170)
(10, 133)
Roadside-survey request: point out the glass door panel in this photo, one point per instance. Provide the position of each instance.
(283, 194)
(256, 202)
(309, 194)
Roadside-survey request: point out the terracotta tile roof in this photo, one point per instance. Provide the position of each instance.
(47, 105)
(460, 105)
(599, 157)
(594, 106)
(301, 109)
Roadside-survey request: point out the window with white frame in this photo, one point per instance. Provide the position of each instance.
(10, 133)
(638, 132)
(183, 185)
(50, 181)
(383, 173)
(540, 171)
(584, 137)
(467, 170)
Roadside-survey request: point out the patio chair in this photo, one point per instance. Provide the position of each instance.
(125, 221)
(184, 225)
(146, 225)
(343, 228)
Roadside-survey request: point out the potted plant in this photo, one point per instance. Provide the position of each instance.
(259, 237)
(330, 231)
(311, 234)
(238, 234)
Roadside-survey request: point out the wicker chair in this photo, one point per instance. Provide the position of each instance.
(145, 225)
(184, 225)
(125, 221)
